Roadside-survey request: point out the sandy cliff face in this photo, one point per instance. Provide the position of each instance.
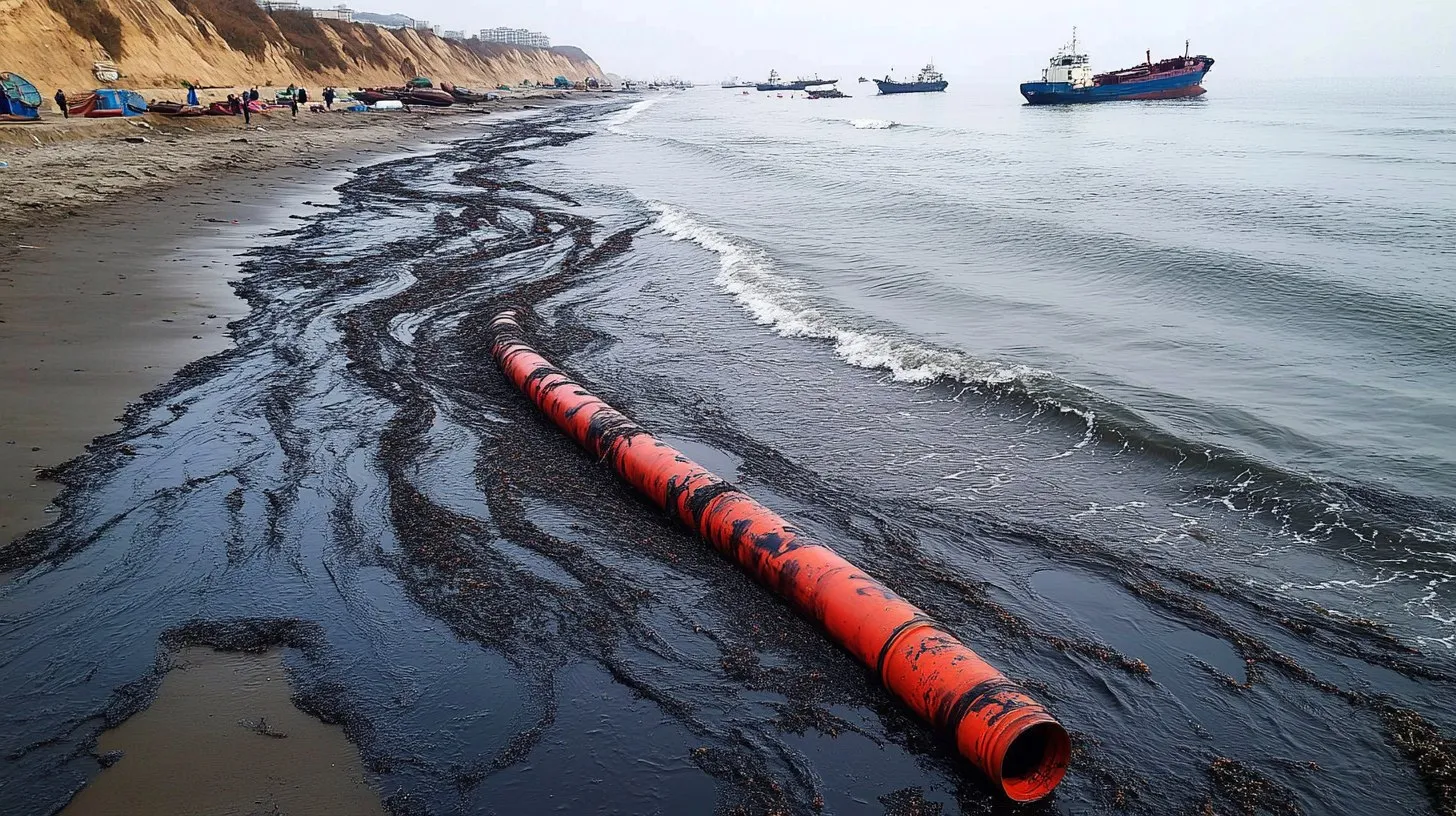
(233, 42)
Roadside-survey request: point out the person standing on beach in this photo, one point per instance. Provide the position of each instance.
(247, 110)
(61, 103)
(293, 104)
(329, 97)
(302, 96)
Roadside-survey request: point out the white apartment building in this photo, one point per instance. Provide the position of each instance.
(453, 35)
(336, 13)
(516, 36)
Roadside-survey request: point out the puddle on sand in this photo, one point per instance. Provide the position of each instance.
(224, 730)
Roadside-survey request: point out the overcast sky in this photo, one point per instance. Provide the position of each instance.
(707, 41)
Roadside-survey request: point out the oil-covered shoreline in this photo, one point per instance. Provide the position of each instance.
(497, 622)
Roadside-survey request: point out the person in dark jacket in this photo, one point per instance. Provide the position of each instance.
(293, 104)
(302, 96)
(253, 94)
(329, 97)
(61, 103)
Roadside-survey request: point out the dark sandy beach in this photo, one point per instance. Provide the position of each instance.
(117, 258)
(492, 622)
(103, 299)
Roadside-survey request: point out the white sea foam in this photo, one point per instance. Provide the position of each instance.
(776, 300)
(616, 123)
(872, 124)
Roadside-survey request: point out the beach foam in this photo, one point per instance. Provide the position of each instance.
(775, 300)
(615, 124)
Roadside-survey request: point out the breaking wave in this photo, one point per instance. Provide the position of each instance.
(616, 123)
(1300, 501)
(872, 124)
(773, 299)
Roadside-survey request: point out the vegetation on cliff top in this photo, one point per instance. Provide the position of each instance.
(314, 50)
(242, 24)
(93, 21)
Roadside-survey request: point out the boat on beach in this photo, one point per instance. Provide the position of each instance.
(928, 80)
(1068, 79)
(408, 95)
(19, 99)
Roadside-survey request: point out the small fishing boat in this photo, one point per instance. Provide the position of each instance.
(463, 95)
(371, 95)
(826, 93)
(166, 108)
(426, 96)
(19, 99)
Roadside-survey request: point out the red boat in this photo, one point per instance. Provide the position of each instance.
(371, 95)
(426, 96)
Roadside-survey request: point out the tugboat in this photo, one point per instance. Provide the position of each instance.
(1069, 79)
(776, 83)
(929, 81)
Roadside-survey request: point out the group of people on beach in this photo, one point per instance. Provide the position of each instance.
(247, 102)
(242, 103)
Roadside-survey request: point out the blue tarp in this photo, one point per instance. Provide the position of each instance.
(130, 103)
(18, 97)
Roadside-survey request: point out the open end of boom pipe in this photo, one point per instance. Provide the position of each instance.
(994, 723)
(1035, 762)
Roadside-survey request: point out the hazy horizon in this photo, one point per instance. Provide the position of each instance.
(1249, 38)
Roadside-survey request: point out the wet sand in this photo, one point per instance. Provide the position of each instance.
(223, 737)
(96, 310)
(101, 302)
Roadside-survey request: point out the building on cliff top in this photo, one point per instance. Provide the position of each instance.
(516, 36)
(336, 13)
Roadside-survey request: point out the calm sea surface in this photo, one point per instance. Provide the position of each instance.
(1153, 403)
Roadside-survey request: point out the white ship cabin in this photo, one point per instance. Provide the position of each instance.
(1069, 66)
(1073, 69)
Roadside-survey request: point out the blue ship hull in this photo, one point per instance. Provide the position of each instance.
(910, 87)
(1170, 86)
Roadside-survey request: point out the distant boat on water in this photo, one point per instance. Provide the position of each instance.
(776, 83)
(928, 81)
(735, 83)
(1069, 79)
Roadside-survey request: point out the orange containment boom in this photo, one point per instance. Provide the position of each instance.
(993, 722)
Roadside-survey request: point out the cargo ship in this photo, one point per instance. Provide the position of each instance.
(776, 83)
(929, 81)
(1069, 79)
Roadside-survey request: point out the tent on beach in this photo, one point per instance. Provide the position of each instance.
(18, 98)
(107, 102)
